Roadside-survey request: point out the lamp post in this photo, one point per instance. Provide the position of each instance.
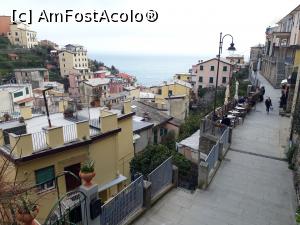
(46, 104)
(231, 48)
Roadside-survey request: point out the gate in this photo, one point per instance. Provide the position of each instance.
(67, 210)
(161, 177)
(123, 204)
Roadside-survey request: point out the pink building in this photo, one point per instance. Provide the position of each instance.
(205, 73)
(74, 86)
(115, 86)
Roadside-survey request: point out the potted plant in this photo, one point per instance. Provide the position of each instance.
(68, 113)
(27, 210)
(87, 172)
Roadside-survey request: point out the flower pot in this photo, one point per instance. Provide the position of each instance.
(87, 177)
(27, 218)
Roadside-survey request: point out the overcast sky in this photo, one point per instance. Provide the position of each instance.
(189, 27)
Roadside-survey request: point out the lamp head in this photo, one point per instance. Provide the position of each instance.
(231, 48)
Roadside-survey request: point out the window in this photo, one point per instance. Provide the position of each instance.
(178, 77)
(224, 80)
(161, 131)
(211, 80)
(17, 39)
(224, 68)
(75, 65)
(45, 177)
(200, 87)
(201, 67)
(239, 61)
(27, 91)
(159, 91)
(16, 33)
(64, 65)
(200, 79)
(18, 94)
(212, 68)
(170, 93)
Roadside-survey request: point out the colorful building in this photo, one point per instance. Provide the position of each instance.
(281, 44)
(20, 34)
(40, 153)
(4, 25)
(206, 73)
(73, 59)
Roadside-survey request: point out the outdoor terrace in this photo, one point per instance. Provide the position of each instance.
(37, 136)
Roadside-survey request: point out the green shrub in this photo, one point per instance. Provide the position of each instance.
(154, 155)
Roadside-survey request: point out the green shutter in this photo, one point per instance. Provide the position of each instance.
(18, 94)
(44, 174)
(161, 132)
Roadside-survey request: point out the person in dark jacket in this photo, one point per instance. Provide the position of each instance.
(262, 93)
(268, 104)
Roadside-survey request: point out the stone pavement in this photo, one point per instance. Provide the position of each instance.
(253, 185)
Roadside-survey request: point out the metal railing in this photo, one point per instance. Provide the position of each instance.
(39, 141)
(95, 123)
(160, 177)
(94, 131)
(225, 138)
(70, 133)
(123, 204)
(213, 157)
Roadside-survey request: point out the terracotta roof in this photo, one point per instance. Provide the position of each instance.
(25, 100)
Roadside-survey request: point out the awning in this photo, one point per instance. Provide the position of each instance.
(114, 182)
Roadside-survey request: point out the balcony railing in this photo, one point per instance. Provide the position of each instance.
(39, 141)
(70, 133)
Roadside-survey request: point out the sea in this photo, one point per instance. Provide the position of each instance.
(149, 70)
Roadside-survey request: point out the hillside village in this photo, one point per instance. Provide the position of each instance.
(82, 142)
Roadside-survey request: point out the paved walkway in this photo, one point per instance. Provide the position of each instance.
(253, 185)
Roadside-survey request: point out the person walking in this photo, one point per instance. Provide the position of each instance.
(268, 104)
(262, 93)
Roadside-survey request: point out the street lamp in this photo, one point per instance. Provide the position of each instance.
(231, 48)
(46, 104)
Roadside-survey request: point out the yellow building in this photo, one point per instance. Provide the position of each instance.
(20, 34)
(42, 153)
(134, 92)
(187, 77)
(173, 88)
(73, 59)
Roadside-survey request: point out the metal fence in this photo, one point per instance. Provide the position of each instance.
(160, 177)
(213, 157)
(70, 133)
(39, 141)
(225, 137)
(95, 123)
(123, 204)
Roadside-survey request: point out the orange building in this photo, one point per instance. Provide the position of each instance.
(4, 25)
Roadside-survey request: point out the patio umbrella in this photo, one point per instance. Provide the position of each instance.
(227, 93)
(236, 96)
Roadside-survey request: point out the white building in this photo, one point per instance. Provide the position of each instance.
(14, 96)
(20, 34)
(73, 58)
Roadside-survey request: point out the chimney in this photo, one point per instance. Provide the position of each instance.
(26, 112)
(127, 107)
(22, 144)
(108, 121)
